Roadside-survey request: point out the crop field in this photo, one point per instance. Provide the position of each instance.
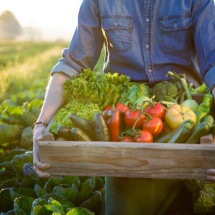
(25, 68)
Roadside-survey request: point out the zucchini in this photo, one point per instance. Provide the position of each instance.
(101, 129)
(79, 135)
(183, 132)
(202, 129)
(64, 132)
(165, 138)
(84, 124)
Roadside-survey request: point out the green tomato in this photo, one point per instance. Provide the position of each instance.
(192, 104)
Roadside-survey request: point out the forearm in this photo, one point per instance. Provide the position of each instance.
(54, 97)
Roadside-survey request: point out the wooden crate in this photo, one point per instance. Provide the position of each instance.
(119, 159)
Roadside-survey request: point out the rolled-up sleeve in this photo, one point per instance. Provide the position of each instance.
(87, 42)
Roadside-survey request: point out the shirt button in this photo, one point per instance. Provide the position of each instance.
(147, 46)
(149, 70)
(147, 20)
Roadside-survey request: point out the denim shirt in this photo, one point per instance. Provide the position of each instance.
(144, 39)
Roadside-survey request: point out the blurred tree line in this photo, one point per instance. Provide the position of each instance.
(10, 28)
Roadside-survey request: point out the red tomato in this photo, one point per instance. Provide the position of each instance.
(153, 125)
(132, 116)
(156, 110)
(127, 139)
(145, 137)
(121, 107)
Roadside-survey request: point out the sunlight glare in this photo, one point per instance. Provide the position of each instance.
(58, 15)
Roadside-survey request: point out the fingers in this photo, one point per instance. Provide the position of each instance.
(211, 175)
(40, 167)
(41, 173)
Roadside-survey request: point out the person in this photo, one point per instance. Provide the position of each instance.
(144, 40)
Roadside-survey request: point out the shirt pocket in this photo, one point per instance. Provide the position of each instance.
(118, 32)
(175, 33)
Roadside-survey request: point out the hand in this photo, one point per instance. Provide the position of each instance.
(211, 172)
(211, 175)
(38, 166)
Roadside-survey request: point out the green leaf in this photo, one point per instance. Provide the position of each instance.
(80, 211)
(51, 183)
(9, 155)
(87, 187)
(94, 203)
(19, 160)
(71, 180)
(39, 190)
(69, 193)
(22, 205)
(22, 191)
(55, 206)
(41, 210)
(6, 202)
(39, 202)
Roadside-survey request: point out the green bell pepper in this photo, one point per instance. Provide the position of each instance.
(204, 107)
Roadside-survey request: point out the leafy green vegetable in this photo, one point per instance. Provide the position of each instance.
(28, 117)
(70, 179)
(40, 202)
(70, 193)
(22, 205)
(94, 202)
(9, 155)
(11, 113)
(62, 117)
(9, 132)
(87, 187)
(22, 191)
(80, 211)
(136, 96)
(26, 141)
(205, 199)
(6, 200)
(19, 161)
(51, 183)
(54, 206)
(39, 190)
(40, 210)
(202, 89)
(96, 87)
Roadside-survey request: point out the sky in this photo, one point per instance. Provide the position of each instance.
(55, 18)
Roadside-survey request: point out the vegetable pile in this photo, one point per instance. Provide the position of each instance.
(133, 111)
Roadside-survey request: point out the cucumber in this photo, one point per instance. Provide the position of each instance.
(183, 132)
(64, 132)
(79, 135)
(85, 125)
(165, 138)
(202, 129)
(101, 129)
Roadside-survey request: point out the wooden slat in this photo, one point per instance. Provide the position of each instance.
(142, 160)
